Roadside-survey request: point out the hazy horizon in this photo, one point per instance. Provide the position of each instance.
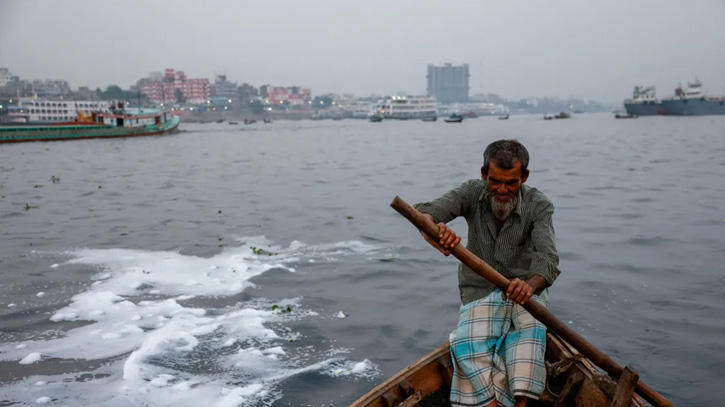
(595, 50)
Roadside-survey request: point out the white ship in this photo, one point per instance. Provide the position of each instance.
(406, 107)
(54, 111)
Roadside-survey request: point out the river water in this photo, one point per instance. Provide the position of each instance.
(262, 265)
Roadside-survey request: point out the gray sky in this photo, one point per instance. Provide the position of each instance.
(586, 48)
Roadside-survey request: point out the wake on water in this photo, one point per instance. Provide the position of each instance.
(153, 347)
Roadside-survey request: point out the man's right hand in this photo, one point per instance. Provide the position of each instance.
(447, 238)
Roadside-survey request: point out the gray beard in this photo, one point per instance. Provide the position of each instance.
(502, 210)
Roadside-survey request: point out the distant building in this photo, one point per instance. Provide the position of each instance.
(5, 77)
(163, 88)
(293, 95)
(224, 88)
(448, 83)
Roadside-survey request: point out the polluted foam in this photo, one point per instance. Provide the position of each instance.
(164, 351)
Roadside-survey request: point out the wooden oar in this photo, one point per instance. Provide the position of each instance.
(539, 312)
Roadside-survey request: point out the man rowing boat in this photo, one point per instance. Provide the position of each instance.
(498, 347)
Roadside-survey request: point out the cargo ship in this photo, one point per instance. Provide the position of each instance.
(693, 101)
(644, 102)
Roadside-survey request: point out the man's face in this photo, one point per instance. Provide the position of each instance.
(502, 184)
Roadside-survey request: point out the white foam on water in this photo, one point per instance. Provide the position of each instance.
(163, 351)
(31, 358)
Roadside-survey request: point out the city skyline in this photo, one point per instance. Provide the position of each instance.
(598, 50)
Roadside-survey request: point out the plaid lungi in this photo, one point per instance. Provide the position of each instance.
(498, 352)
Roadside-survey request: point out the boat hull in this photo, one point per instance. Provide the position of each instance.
(572, 378)
(77, 132)
(645, 109)
(694, 107)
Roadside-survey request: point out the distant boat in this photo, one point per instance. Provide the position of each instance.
(430, 119)
(454, 118)
(233, 123)
(376, 119)
(506, 117)
(249, 121)
(267, 120)
(561, 115)
(220, 121)
(625, 116)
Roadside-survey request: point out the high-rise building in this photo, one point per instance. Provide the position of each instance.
(448, 83)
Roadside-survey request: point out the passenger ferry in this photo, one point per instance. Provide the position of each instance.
(406, 107)
(54, 111)
(119, 121)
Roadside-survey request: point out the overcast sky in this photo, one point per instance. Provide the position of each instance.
(586, 48)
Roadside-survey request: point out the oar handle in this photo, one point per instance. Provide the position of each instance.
(539, 312)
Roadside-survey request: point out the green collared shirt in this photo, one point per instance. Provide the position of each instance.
(525, 246)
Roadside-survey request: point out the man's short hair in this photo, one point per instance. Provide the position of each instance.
(506, 153)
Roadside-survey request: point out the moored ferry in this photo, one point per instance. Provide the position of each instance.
(406, 107)
(117, 122)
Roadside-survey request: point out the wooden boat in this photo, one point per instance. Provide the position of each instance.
(625, 116)
(572, 381)
(505, 117)
(376, 118)
(430, 119)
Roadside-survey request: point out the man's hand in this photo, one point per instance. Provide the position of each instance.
(447, 238)
(518, 291)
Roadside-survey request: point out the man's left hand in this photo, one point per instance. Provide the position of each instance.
(518, 291)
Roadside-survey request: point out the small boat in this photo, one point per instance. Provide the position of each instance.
(220, 121)
(454, 118)
(266, 120)
(625, 116)
(376, 118)
(249, 121)
(233, 123)
(430, 119)
(505, 117)
(562, 115)
(572, 381)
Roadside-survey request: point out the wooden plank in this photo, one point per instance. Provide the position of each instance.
(390, 399)
(570, 390)
(625, 388)
(590, 395)
(445, 368)
(411, 401)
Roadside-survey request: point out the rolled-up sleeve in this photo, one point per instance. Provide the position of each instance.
(544, 257)
(452, 204)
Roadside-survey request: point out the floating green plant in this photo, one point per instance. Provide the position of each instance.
(29, 207)
(54, 179)
(37, 186)
(350, 217)
(261, 252)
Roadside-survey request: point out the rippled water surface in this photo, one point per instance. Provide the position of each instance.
(262, 265)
